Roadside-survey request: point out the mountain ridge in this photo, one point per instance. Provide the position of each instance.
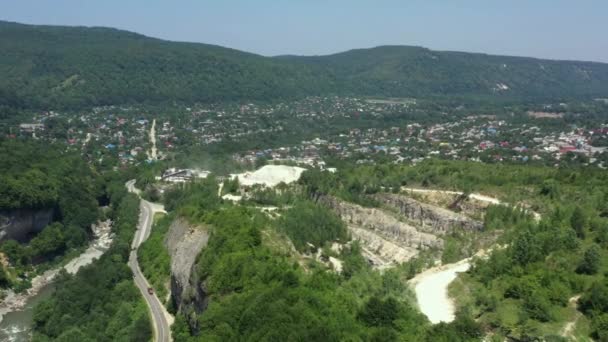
(109, 28)
(48, 66)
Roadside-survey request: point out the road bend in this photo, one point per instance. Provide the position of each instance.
(160, 322)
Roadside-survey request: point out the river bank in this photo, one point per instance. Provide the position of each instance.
(16, 325)
(19, 301)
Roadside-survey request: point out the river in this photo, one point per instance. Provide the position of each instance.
(16, 325)
(16, 310)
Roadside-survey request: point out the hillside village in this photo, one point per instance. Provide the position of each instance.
(248, 186)
(363, 130)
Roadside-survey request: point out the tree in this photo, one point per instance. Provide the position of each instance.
(466, 326)
(525, 249)
(16, 253)
(579, 221)
(602, 234)
(73, 335)
(591, 260)
(538, 306)
(595, 300)
(307, 222)
(379, 313)
(550, 189)
(260, 161)
(4, 280)
(599, 325)
(231, 186)
(352, 260)
(49, 241)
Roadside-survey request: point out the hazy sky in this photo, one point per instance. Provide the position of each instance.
(559, 29)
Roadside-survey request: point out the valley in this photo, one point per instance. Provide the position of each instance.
(153, 190)
(16, 309)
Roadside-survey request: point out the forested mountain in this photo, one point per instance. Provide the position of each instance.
(38, 176)
(60, 67)
(71, 66)
(415, 71)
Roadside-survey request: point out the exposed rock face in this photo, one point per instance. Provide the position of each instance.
(469, 206)
(429, 218)
(184, 243)
(385, 239)
(18, 224)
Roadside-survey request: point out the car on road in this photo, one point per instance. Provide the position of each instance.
(150, 290)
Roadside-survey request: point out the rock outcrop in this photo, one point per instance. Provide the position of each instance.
(18, 224)
(429, 218)
(184, 243)
(385, 239)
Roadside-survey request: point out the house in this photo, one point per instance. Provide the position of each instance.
(566, 149)
(30, 127)
(174, 175)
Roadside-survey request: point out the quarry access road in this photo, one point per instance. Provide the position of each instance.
(431, 286)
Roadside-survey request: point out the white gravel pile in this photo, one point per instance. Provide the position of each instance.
(233, 198)
(270, 175)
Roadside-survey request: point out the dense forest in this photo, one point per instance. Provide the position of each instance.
(66, 67)
(37, 175)
(100, 302)
(543, 269)
(258, 290)
(260, 293)
(40, 177)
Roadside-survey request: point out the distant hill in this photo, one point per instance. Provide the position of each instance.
(417, 71)
(68, 66)
(59, 67)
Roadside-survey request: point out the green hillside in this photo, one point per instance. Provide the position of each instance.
(59, 67)
(71, 66)
(416, 71)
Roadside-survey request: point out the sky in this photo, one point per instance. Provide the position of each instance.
(555, 29)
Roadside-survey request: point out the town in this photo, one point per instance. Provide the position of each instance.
(362, 130)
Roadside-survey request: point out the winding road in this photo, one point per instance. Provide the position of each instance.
(160, 317)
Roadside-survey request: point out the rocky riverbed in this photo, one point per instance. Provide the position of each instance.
(19, 301)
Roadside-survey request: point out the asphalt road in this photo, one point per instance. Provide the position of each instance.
(162, 332)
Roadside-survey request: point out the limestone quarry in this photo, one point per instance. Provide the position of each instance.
(427, 217)
(384, 237)
(400, 228)
(396, 230)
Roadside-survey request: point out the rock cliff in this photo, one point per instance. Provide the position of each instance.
(18, 224)
(385, 239)
(184, 243)
(429, 218)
